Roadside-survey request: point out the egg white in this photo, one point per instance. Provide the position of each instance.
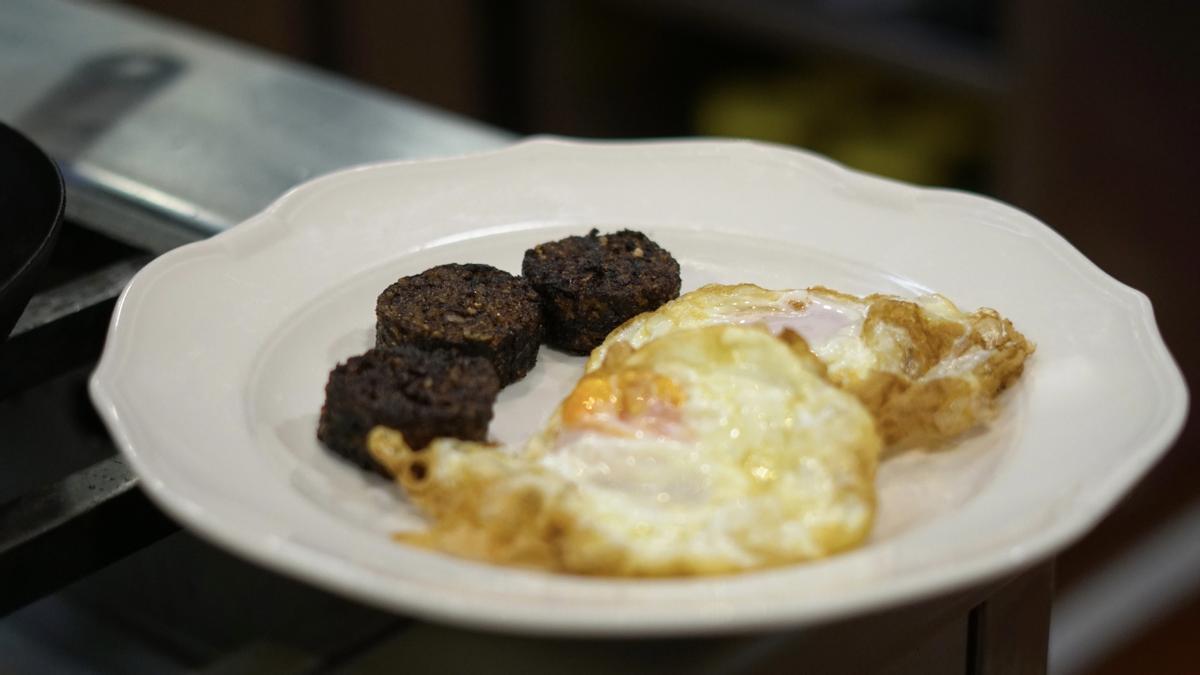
(925, 369)
(712, 450)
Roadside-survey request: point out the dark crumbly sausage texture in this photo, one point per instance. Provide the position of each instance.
(590, 285)
(475, 310)
(424, 394)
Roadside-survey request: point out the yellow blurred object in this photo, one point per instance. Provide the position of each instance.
(853, 116)
(890, 155)
(754, 109)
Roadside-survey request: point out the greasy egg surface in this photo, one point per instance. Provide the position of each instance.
(706, 451)
(926, 370)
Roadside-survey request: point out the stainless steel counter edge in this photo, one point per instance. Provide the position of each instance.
(167, 135)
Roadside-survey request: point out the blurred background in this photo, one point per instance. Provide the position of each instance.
(1084, 113)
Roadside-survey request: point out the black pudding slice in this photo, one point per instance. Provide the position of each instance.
(422, 393)
(591, 284)
(476, 310)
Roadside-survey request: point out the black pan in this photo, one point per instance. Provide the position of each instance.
(31, 210)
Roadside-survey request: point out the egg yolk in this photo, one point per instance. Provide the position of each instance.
(624, 404)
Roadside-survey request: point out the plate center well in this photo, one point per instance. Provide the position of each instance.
(287, 388)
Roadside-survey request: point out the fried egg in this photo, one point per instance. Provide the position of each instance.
(718, 449)
(926, 370)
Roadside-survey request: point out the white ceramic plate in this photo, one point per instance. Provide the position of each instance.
(218, 352)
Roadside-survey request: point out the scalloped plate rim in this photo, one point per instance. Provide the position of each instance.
(286, 556)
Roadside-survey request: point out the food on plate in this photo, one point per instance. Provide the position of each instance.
(473, 309)
(425, 394)
(728, 429)
(706, 451)
(590, 284)
(926, 370)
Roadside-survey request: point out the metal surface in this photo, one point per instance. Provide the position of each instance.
(191, 134)
(54, 535)
(75, 296)
(164, 136)
(64, 327)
